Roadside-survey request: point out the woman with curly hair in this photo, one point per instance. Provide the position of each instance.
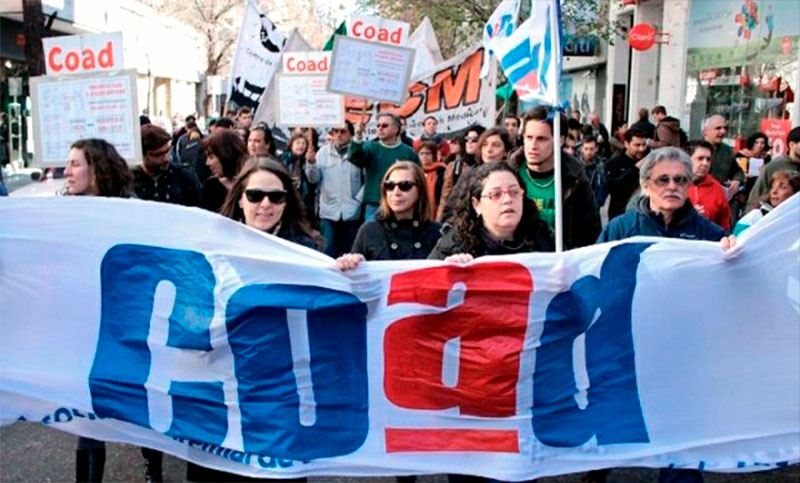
(493, 217)
(95, 168)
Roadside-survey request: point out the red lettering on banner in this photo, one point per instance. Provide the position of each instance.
(491, 324)
(485, 440)
(88, 59)
(51, 59)
(464, 90)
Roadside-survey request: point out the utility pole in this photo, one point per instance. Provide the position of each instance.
(34, 28)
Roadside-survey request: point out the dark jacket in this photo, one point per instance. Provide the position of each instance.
(622, 179)
(452, 244)
(581, 215)
(724, 167)
(645, 126)
(176, 185)
(294, 235)
(382, 239)
(308, 190)
(686, 224)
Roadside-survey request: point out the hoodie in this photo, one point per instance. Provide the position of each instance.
(709, 194)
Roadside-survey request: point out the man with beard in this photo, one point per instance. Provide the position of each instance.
(622, 171)
(158, 180)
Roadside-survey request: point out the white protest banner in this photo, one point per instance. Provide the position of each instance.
(257, 56)
(176, 329)
(306, 62)
(98, 105)
(79, 54)
(370, 70)
(454, 93)
(378, 29)
(304, 101)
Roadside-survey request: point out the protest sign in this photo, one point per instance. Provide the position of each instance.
(303, 101)
(79, 54)
(98, 105)
(306, 62)
(370, 70)
(777, 131)
(257, 57)
(378, 29)
(176, 329)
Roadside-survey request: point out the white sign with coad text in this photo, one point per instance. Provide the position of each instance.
(80, 54)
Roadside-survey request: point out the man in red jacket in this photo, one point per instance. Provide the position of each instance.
(707, 195)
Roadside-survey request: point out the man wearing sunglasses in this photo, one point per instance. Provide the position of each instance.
(376, 157)
(157, 179)
(665, 210)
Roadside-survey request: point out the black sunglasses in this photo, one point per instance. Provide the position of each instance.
(276, 197)
(403, 185)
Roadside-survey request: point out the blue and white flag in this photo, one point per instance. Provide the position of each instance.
(531, 56)
(499, 26)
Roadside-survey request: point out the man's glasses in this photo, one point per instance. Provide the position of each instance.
(383, 125)
(662, 181)
(495, 195)
(276, 197)
(403, 185)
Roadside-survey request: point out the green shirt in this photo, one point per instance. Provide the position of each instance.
(543, 192)
(376, 158)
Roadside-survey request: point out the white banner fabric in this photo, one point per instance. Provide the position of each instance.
(180, 330)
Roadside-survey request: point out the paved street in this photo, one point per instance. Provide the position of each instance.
(30, 452)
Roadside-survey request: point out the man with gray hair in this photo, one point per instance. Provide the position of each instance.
(376, 157)
(723, 167)
(665, 209)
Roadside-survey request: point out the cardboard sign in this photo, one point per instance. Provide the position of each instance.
(370, 70)
(306, 62)
(304, 101)
(377, 29)
(68, 108)
(79, 54)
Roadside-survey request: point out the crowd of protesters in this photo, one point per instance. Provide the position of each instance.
(488, 190)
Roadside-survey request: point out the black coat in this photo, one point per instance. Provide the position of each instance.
(177, 185)
(381, 239)
(622, 179)
(452, 244)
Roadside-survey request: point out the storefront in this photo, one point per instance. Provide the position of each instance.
(742, 62)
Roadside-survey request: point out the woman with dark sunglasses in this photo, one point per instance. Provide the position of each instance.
(459, 165)
(264, 197)
(403, 228)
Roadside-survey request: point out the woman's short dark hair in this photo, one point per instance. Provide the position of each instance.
(422, 208)
(111, 175)
(751, 140)
(495, 131)
(430, 146)
(268, 138)
(229, 148)
(294, 138)
(469, 225)
(293, 214)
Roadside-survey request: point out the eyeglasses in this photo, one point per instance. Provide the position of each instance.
(403, 185)
(662, 181)
(472, 140)
(276, 197)
(383, 125)
(495, 195)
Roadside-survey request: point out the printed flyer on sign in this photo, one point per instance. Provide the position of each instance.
(303, 101)
(85, 106)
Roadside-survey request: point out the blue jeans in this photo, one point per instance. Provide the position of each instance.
(339, 235)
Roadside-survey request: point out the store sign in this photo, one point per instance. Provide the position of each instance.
(642, 36)
(777, 131)
(575, 46)
(79, 54)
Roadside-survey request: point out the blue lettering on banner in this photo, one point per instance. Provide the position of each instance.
(258, 334)
(129, 277)
(614, 412)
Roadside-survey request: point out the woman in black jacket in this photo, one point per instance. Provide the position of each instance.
(493, 217)
(403, 228)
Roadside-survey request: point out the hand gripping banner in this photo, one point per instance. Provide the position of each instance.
(177, 329)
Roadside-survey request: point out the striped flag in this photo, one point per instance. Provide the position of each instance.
(531, 56)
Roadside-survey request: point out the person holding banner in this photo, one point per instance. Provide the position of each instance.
(494, 217)
(264, 196)
(403, 228)
(95, 168)
(784, 184)
(225, 153)
(377, 156)
(581, 216)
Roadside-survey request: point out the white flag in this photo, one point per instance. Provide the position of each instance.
(499, 26)
(258, 53)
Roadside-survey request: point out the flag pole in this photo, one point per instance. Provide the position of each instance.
(555, 18)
